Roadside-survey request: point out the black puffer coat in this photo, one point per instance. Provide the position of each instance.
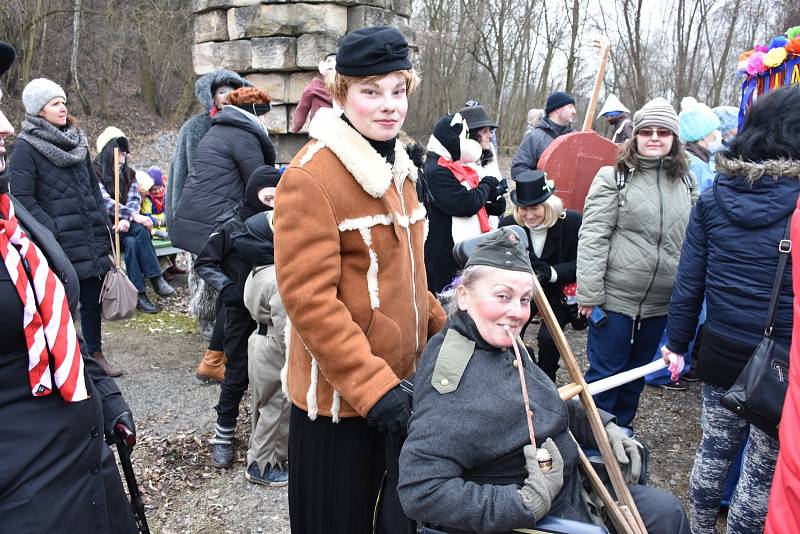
(232, 149)
(56, 472)
(68, 202)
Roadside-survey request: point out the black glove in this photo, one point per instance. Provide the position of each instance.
(542, 270)
(392, 412)
(126, 419)
(231, 295)
(502, 188)
(490, 184)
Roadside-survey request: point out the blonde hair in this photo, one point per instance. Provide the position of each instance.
(338, 84)
(553, 210)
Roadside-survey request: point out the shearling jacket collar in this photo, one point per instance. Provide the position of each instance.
(369, 169)
(752, 170)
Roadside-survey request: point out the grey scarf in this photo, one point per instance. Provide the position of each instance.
(63, 148)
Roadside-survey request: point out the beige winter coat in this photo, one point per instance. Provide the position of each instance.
(349, 235)
(630, 240)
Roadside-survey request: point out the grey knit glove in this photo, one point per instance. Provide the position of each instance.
(540, 488)
(626, 450)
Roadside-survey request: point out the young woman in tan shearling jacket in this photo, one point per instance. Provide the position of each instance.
(349, 234)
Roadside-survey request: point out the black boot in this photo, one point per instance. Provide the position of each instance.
(162, 288)
(143, 304)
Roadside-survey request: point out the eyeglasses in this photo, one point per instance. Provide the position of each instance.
(660, 132)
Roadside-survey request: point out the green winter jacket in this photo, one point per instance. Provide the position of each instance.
(630, 240)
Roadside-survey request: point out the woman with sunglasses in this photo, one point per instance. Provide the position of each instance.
(634, 220)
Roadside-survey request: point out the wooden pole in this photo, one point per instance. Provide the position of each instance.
(523, 383)
(116, 206)
(598, 83)
(592, 415)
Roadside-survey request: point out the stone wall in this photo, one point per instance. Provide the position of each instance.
(277, 45)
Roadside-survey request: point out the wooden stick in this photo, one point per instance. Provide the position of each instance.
(592, 415)
(615, 513)
(116, 205)
(570, 390)
(598, 82)
(524, 384)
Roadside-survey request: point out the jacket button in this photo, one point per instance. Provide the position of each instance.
(515, 363)
(95, 432)
(95, 469)
(445, 381)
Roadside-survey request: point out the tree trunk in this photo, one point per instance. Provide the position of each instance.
(73, 63)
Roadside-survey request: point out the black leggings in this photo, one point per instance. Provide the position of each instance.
(90, 313)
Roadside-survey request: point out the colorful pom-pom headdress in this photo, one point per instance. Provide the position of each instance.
(768, 67)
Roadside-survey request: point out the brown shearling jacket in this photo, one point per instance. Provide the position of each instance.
(349, 236)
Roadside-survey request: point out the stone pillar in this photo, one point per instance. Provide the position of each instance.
(277, 44)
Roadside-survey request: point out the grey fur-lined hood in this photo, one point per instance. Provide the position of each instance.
(202, 87)
(751, 171)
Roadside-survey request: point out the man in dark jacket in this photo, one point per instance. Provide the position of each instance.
(219, 264)
(560, 110)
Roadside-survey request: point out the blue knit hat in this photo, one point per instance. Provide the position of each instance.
(728, 118)
(696, 121)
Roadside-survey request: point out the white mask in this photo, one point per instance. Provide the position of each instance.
(716, 145)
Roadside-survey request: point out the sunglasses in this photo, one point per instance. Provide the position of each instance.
(660, 132)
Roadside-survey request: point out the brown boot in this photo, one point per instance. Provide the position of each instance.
(212, 366)
(105, 365)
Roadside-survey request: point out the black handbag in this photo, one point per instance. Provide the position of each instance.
(757, 395)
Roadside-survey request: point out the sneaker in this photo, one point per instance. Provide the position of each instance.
(222, 454)
(678, 385)
(274, 477)
(690, 376)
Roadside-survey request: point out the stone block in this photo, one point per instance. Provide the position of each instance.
(234, 55)
(275, 84)
(286, 19)
(402, 7)
(211, 26)
(274, 53)
(201, 6)
(297, 83)
(313, 47)
(277, 119)
(287, 146)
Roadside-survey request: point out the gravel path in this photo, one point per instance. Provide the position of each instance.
(175, 417)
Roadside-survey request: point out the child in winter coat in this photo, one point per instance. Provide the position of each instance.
(266, 351)
(219, 264)
(315, 95)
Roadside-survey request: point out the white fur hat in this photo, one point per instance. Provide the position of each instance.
(144, 181)
(39, 92)
(112, 132)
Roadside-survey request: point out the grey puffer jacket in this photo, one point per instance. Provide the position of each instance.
(630, 240)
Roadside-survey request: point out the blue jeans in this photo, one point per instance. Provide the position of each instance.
(659, 378)
(621, 344)
(140, 257)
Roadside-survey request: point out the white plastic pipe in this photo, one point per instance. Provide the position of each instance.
(624, 377)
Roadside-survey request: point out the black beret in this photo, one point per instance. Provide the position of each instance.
(372, 51)
(7, 55)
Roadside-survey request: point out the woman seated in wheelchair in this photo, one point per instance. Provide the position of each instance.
(465, 466)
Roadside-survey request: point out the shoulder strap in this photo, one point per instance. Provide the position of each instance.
(687, 181)
(784, 248)
(621, 178)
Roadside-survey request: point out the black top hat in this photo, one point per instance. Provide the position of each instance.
(7, 55)
(533, 188)
(476, 117)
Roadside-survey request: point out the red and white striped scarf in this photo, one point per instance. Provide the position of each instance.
(48, 325)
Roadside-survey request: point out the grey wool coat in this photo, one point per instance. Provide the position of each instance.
(462, 463)
(630, 241)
